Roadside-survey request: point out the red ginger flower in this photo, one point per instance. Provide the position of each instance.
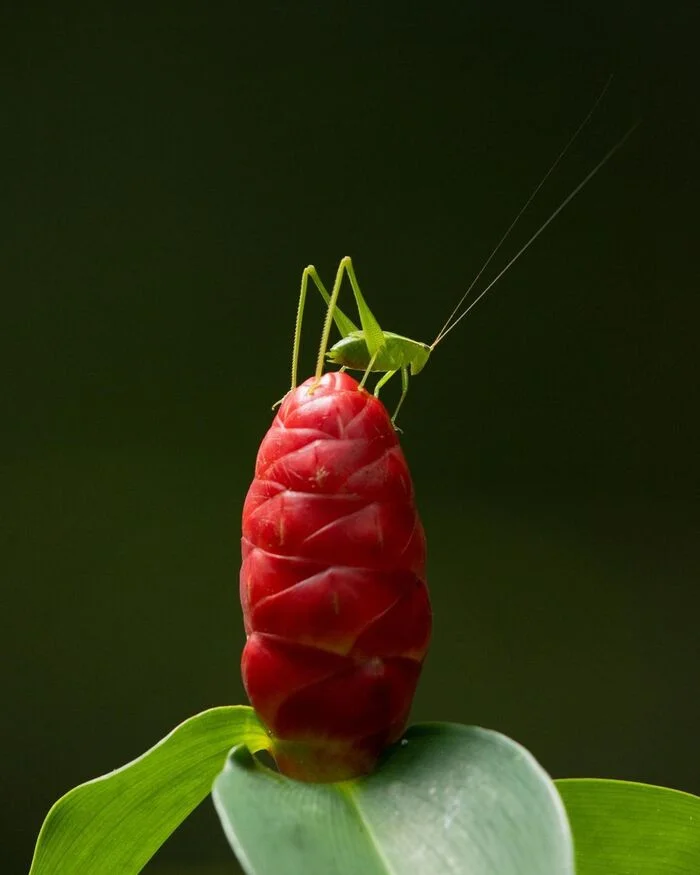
(333, 588)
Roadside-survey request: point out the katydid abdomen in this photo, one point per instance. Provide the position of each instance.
(333, 585)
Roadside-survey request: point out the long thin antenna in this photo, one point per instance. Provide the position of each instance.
(537, 233)
(446, 327)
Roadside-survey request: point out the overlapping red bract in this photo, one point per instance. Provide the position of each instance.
(333, 588)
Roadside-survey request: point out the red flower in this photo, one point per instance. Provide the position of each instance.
(333, 588)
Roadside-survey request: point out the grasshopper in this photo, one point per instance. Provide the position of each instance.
(371, 349)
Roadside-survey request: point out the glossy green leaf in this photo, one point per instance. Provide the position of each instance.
(116, 823)
(447, 799)
(622, 828)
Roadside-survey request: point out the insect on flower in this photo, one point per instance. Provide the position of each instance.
(333, 581)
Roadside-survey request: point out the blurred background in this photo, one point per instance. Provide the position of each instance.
(166, 175)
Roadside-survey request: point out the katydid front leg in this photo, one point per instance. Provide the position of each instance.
(404, 390)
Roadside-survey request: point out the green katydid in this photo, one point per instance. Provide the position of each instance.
(370, 348)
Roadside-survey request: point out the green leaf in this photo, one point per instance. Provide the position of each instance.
(447, 799)
(622, 828)
(116, 823)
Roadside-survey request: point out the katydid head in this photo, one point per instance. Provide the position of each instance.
(419, 356)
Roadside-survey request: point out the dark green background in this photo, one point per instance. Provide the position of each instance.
(165, 177)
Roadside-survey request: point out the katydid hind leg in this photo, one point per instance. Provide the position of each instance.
(330, 316)
(368, 370)
(297, 329)
(297, 325)
(344, 325)
(374, 336)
